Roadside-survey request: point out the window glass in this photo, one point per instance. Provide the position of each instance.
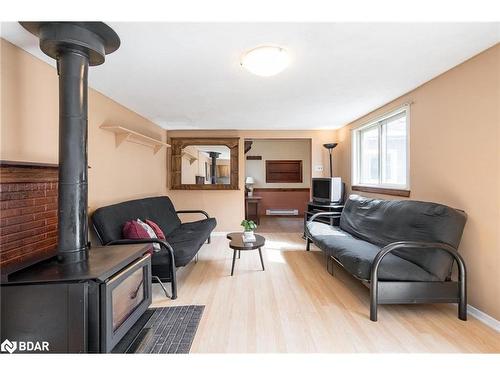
(394, 151)
(369, 166)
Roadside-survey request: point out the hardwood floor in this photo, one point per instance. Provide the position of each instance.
(279, 224)
(295, 305)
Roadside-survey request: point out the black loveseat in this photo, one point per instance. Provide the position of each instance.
(183, 240)
(402, 250)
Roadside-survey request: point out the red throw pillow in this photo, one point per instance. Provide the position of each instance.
(132, 230)
(159, 233)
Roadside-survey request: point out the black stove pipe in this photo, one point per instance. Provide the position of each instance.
(73, 124)
(213, 167)
(75, 46)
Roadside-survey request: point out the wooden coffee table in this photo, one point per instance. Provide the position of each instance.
(236, 243)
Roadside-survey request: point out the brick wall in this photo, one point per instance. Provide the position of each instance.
(28, 212)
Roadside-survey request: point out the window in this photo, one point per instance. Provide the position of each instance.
(381, 152)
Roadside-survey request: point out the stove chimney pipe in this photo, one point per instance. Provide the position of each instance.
(213, 167)
(75, 46)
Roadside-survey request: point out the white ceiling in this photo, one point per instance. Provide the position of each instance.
(187, 75)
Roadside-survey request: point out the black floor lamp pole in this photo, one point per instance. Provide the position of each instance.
(331, 169)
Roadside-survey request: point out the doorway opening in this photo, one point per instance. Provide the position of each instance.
(277, 183)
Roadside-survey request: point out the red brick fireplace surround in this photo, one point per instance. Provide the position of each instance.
(28, 213)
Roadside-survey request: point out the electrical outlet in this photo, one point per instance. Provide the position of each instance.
(318, 168)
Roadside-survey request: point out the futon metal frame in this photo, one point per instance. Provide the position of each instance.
(408, 292)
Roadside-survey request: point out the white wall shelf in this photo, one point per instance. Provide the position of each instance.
(123, 134)
(189, 156)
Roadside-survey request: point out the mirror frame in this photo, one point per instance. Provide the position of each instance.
(177, 144)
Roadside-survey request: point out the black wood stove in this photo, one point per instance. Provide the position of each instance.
(82, 300)
(81, 307)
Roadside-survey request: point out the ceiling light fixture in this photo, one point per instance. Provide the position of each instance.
(265, 61)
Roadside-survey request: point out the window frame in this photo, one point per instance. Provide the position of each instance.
(398, 189)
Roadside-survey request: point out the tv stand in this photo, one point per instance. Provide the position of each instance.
(315, 207)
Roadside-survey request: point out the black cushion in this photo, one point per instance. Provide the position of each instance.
(188, 238)
(357, 255)
(382, 222)
(108, 221)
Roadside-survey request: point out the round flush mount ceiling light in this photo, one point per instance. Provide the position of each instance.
(265, 61)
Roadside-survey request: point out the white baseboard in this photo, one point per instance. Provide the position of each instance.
(484, 318)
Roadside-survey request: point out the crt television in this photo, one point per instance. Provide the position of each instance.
(327, 190)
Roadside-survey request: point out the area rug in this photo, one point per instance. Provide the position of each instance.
(162, 330)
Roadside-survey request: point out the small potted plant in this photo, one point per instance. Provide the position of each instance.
(249, 226)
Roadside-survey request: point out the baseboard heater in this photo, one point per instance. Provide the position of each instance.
(282, 211)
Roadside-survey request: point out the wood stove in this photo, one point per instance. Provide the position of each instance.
(84, 307)
(82, 299)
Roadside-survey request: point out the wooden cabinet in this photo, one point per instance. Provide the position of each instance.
(283, 171)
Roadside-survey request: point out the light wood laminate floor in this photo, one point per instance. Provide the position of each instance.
(278, 224)
(295, 305)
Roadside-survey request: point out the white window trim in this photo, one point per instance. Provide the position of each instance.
(355, 140)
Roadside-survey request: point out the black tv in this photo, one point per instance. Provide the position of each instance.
(327, 190)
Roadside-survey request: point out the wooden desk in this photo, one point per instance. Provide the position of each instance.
(252, 214)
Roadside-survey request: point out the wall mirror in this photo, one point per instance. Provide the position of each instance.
(204, 163)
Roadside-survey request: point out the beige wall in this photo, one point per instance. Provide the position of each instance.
(228, 205)
(295, 149)
(29, 131)
(455, 160)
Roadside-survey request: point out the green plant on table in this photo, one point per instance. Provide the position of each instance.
(249, 225)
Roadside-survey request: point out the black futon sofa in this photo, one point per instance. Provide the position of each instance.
(403, 251)
(183, 240)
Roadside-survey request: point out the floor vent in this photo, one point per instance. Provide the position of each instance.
(282, 211)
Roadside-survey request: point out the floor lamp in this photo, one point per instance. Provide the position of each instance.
(330, 147)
